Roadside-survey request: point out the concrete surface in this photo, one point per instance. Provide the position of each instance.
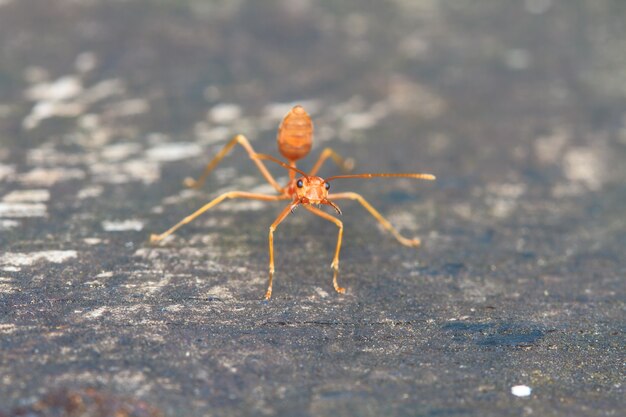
(518, 107)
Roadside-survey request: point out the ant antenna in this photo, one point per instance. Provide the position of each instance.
(279, 162)
(429, 177)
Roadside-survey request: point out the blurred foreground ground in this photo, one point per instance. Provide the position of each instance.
(518, 107)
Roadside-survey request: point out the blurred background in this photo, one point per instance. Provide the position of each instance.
(518, 107)
(465, 86)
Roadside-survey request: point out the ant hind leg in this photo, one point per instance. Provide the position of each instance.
(346, 164)
(239, 139)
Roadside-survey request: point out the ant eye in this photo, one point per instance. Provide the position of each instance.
(327, 185)
(299, 184)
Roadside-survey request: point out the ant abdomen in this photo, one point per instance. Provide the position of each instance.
(295, 134)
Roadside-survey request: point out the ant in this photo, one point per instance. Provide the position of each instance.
(295, 137)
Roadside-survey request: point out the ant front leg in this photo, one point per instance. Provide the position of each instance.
(154, 238)
(279, 219)
(384, 222)
(344, 164)
(335, 264)
(239, 139)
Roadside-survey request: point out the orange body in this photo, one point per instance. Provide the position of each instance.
(295, 138)
(295, 134)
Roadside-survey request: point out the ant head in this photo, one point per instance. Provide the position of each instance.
(313, 190)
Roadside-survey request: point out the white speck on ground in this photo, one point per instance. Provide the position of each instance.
(150, 287)
(90, 192)
(92, 240)
(264, 189)
(276, 111)
(6, 328)
(95, 313)
(23, 259)
(321, 293)
(147, 172)
(366, 119)
(549, 148)
(103, 90)
(47, 177)
(6, 171)
(174, 151)
(130, 381)
(420, 100)
(131, 107)
(7, 287)
(404, 220)
(120, 151)
(62, 89)
(225, 174)
(86, 62)
(122, 225)
(241, 205)
(48, 109)
(521, 390)
(359, 121)
(174, 308)
(584, 165)
(224, 113)
(22, 210)
(47, 155)
(208, 135)
(503, 198)
(8, 224)
(181, 196)
(507, 190)
(30, 196)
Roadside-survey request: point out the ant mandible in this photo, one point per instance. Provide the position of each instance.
(295, 137)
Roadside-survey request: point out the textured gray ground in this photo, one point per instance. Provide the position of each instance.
(519, 108)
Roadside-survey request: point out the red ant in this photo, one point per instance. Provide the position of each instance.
(295, 137)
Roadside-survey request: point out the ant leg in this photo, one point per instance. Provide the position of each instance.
(239, 139)
(384, 222)
(154, 238)
(279, 219)
(344, 164)
(335, 264)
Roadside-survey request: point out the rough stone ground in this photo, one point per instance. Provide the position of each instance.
(519, 108)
